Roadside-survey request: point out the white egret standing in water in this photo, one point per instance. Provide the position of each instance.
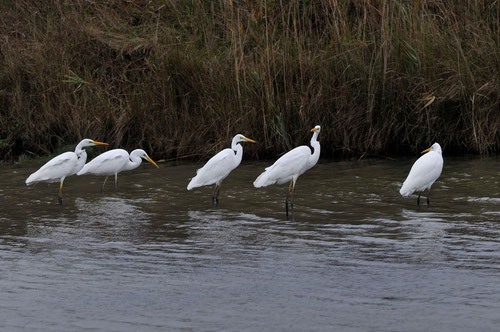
(219, 167)
(290, 166)
(63, 165)
(113, 162)
(423, 173)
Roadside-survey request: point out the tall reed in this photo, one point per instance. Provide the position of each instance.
(180, 77)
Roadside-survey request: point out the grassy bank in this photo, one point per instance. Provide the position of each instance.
(180, 78)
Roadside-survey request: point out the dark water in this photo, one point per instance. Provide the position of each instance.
(155, 257)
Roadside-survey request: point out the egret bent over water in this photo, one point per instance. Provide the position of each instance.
(219, 167)
(63, 165)
(290, 166)
(113, 162)
(424, 172)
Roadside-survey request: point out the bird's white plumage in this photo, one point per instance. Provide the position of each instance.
(108, 163)
(115, 161)
(219, 166)
(289, 166)
(424, 172)
(63, 165)
(292, 164)
(216, 169)
(58, 167)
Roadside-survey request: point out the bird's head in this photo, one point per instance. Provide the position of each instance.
(434, 147)
(240, 138)
(79, 150)
(316, 129)
(90, 142)
(142, 154)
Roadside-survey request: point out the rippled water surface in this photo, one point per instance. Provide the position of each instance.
(155, 257)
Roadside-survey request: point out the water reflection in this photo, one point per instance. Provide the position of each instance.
(157, 257)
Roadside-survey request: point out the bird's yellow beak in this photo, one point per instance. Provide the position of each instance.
(249, 140)
(98, 143)
(151, 161)
(427, 150)
(314, 129)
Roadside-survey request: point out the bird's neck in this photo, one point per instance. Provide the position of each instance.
(82, 159)
(133, 163)
(313, 159)
(239, 151)
(79, 150)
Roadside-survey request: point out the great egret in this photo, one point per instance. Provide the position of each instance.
(219, 167)
(113, 162)
(63, 165)
(290, 166)
(423, 173)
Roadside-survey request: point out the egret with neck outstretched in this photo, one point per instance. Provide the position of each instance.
(290, 166)
(219, 167)
(424, 172)
(63, 165)
(113, 162)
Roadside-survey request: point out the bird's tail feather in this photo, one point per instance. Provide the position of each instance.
(405, 191)
(35, 177)
(30, 179)
(192, 184)
(262, 180)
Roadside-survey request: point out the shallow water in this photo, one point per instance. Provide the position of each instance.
(157, 257)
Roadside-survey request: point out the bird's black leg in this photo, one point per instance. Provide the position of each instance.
(213, 195)
(116, 183)
(418, 199)
(59, 196)
(429, 197)
(286, 199)
(217, 195)
(291, 202)
(286, 204)
(102, 187)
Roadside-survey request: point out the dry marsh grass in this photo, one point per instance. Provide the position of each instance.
(180, 78)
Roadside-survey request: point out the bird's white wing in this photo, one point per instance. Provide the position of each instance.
(55, 169)
(423, 173)
(107, 163)
(215, 170)
(291, 164)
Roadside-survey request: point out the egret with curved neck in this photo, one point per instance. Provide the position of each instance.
(290, 166)
(113, 162)
(219, 167)
(63, 165)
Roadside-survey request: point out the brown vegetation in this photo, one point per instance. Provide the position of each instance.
(180, 77)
